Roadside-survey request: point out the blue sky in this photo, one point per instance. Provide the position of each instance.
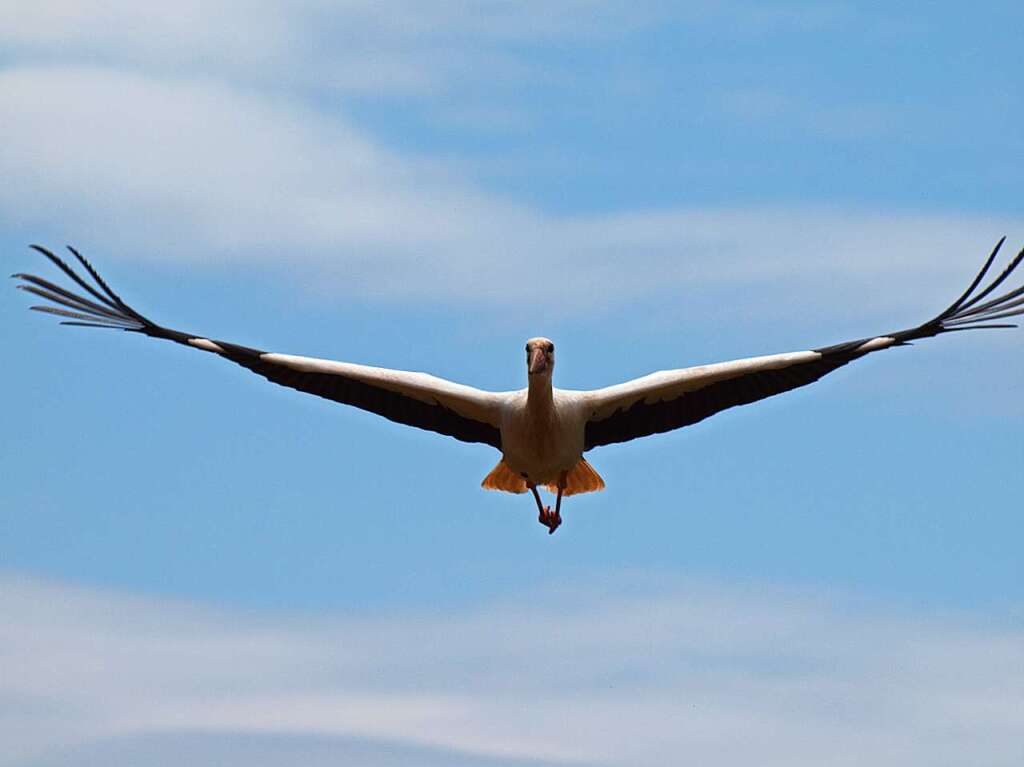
(217, 569)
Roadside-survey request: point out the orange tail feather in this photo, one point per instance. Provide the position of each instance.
(503, 478)
(581, 479)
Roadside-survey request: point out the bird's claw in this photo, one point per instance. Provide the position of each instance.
(551, 520)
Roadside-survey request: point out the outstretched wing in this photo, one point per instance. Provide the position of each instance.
(414, 399)
(672, 399)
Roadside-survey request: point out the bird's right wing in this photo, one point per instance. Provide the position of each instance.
(672, 399)
(414, 399)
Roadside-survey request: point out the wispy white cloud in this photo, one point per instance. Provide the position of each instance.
(199, 172)
(404, 47)
(598, 675)
(174, 135)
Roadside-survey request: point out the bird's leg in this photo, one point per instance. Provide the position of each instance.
(557, 518)
(544, 510)
(546, 518)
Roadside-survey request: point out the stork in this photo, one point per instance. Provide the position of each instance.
(541, 431)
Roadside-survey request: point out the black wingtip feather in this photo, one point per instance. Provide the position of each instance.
(99, 281)
(952, 308)
(75, 323)
(60, 264)
(110, 311)
(967, 312)
(1014, 263)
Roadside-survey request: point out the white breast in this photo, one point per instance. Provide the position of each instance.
(540, 441)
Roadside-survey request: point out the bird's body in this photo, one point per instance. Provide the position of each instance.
(541, 431)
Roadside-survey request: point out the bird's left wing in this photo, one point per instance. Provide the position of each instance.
(414, 399)
(672, 399)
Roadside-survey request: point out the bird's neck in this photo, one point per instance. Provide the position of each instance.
(539, 396)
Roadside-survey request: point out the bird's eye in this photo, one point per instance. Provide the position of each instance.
(527, 348)
(551, 348)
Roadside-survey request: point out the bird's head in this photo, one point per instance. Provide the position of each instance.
(540, 357)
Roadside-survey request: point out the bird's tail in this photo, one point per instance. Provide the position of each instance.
(581, 479)
(503, 478)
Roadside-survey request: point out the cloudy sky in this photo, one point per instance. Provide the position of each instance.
(196, 566)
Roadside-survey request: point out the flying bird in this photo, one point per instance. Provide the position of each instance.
(541, 431)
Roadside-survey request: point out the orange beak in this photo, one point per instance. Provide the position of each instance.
(538, 360)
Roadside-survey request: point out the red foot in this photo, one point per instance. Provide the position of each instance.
(550, 519)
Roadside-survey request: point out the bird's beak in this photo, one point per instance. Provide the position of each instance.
(538, 360)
